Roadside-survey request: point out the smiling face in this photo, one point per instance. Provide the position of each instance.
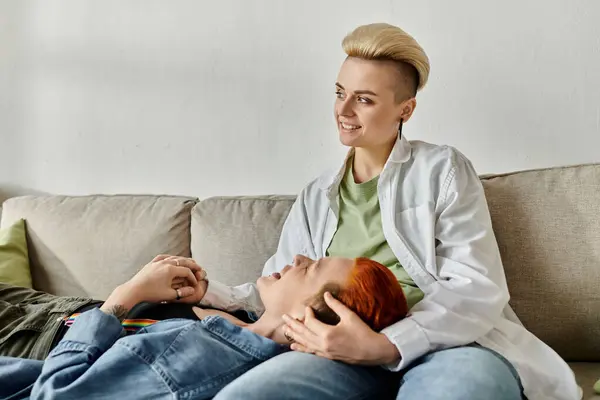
(288, 291)
(371, 98)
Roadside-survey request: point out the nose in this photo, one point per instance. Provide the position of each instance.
(285, 269)
(345, 107)
(299, 260)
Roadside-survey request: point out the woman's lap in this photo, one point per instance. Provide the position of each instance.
(295, 375)
(466, 373)
(470, 373)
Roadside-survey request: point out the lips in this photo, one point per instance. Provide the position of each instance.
(276, 275)
(349, 127)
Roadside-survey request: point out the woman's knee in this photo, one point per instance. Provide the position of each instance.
(466, 373)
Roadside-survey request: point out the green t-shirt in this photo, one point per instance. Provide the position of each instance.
(360, 234)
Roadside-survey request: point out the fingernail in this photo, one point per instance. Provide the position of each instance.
(327, 294)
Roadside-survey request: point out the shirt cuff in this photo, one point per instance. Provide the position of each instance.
(95, 328)
(217, 295)
(409, 339)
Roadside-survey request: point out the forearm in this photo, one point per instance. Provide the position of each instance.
(120, 301)
(433, 325)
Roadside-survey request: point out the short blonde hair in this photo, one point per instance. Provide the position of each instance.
(383, 41)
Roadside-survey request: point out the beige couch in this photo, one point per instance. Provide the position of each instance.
(547, 224)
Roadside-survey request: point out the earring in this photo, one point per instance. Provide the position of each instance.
(400, 129)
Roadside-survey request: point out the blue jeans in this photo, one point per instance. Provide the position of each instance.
(463, 373)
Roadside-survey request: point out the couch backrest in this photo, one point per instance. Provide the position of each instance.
(232, 237)
(547, 224)
(86, 246)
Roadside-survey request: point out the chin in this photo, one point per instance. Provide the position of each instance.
(349, 140)
(260, 282)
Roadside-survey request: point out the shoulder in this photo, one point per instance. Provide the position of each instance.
(434, 152)
(443, 158)
(318, 187)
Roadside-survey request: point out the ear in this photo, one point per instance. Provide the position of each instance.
(407, 109)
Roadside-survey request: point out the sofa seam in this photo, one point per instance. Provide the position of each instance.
(506, 174)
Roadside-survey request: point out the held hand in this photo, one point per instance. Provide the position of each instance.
(199, 290)
(155, 282)
(178, 283)
(351, 340)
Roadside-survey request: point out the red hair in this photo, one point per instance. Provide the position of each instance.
(372, 291)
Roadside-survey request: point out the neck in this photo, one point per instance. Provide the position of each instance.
(369, 161)
(269, 326)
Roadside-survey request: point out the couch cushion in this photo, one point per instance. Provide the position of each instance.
(587, 374)
(85, 246)
(547, 223)
(232, 237)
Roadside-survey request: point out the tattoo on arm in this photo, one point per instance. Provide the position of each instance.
(118, 311)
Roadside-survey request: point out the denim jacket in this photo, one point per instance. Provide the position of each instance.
(172, 359)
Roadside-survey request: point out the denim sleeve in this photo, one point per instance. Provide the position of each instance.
(17, 376)
(82, 363)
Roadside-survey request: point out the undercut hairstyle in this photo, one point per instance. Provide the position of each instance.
(387, 42)
(372, 292)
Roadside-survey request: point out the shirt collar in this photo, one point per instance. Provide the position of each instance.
(401, 153)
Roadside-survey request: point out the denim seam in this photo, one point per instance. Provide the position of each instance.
(510, 366)
(223, 336)
(151, 361)
(247, 349)
(171, 387)
(144, 356)
(184, 330)
(68, 347)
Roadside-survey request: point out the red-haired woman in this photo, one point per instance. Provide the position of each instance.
(196, 357)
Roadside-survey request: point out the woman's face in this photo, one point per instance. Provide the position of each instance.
(367, 110)
(287, 292)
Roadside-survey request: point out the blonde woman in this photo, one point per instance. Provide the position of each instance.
(420, 210)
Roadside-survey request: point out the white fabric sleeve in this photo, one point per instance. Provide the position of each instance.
(470, 292)
(232, 298)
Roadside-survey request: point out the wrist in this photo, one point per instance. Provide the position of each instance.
(123, 295)
(384, 351)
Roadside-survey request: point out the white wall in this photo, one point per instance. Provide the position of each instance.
(235, 97)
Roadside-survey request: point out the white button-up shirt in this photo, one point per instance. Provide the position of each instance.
(436, 221)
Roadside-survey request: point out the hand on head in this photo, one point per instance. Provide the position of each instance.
(348, 302)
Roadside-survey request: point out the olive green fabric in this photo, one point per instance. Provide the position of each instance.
(30, 319)
(14, 260)
(360, 233)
